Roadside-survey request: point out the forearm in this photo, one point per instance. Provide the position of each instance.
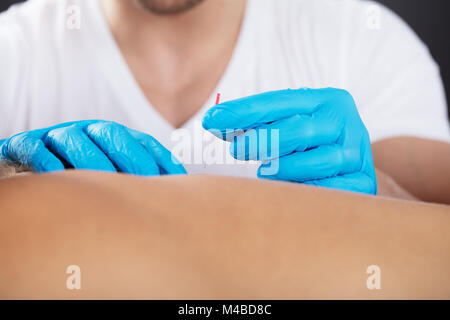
(389, 188)
(204, 237)
(419, 166)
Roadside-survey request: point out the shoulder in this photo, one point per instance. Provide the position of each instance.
(27, 33)
(338, 15)
(25, 28)
(32, 14)
(357, 31)
(357, 25)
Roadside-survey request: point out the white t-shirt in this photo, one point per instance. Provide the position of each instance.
(53, 72)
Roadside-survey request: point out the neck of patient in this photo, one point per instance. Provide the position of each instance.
(177, 59)
(207, 27)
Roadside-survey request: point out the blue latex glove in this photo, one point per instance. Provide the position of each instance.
(321, 139)
(94, 145)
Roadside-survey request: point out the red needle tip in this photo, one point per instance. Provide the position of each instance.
(218, 98)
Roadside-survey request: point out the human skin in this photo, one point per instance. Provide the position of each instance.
(420, 166)
(168, 6)
(178, 60)
(207, 237)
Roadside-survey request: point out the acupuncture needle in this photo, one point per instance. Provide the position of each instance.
(218, 99)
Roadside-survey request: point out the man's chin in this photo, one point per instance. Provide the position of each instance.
(168, 7)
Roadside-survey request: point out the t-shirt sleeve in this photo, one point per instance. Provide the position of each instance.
(393, 77)
(13, 65)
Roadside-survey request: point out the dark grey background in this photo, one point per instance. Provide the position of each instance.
(429, 18)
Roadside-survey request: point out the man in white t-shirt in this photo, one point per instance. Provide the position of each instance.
(156, 66)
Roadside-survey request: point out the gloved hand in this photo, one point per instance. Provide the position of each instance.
(94, 145)
(321, 138)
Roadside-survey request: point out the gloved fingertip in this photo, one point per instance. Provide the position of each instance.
(170, 164)
(180, 170)
(150, 170)
(217, 118)
(206, 121)
(53, 166)
(175, 170)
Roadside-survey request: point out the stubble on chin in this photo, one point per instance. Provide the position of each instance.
(160, 7)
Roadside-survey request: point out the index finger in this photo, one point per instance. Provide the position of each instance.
(161, 155)
(252, 111)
